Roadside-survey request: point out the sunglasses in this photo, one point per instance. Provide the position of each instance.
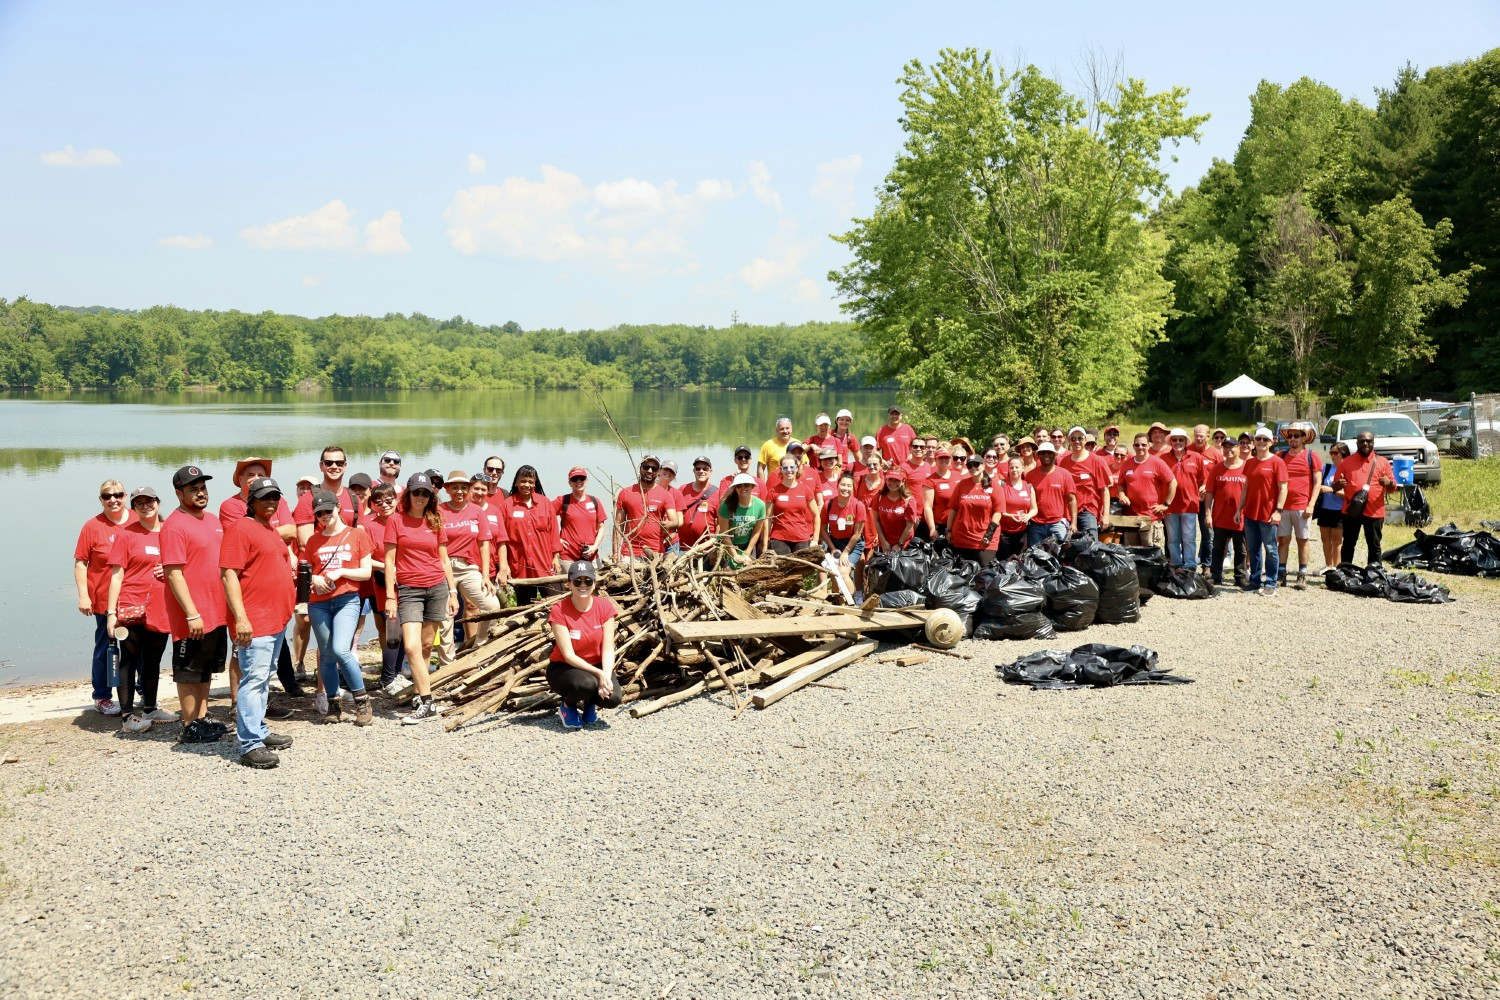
(335, 463)
(698, 467)
(391, 461)
(145, 502)
(578, 479)
(425, 494)
(322, 513)
(496, 469)
(582, 581)
(1140, 444)
(387, 501)
(650, 468)
(112, 496)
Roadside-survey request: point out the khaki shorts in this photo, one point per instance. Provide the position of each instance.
(1294, 521)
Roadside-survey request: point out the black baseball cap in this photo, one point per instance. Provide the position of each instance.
(188, 474)
(263, 488)
(324, 500)
(359, 479)
(419, 481)
(743, 449)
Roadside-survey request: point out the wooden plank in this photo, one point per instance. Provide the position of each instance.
(799, 625)
(797, 602)
(777, 671)
(812, 672)
(737, 607)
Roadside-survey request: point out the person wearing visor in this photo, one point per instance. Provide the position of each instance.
(138, 603)
(1091, 479)
(582, 516)
(895, 437)
(581, 667)
(975, 513)
(742, 516)
(1056, 498)
(822, 437)
(260, 592)
(868, 459)
(340, 557)
(1190, 469)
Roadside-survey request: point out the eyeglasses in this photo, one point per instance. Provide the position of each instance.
(145, 502)
(578, 479)
(112, 496)
(336, 463)
(582, 581)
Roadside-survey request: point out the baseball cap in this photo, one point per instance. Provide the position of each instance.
(419, 481)
(576, 471)
(704, 460)
(1177, 432)
(1076, 430)
(359, 479)
(743, 479)
(264, 487)
(669, 466)
(943, 452)
(322, 501)
(821, 419)
(188, 474)
(1046, 446)
(456, 476)
(826, 453)
(868, 439)
(143, 491)
(309, 480)
(893, 408)
(843, 413)
(581, 568)
(651, 458)
(1265, 432)
(1112, 429)
(796, 446)
(743, 449)
(896, 475)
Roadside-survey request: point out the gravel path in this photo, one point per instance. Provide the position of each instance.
(1315, 817)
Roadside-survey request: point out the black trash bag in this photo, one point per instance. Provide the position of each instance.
(1072, 599)
(1409, 588)
(1044, 668)
(966, 568)
(1150, 565)
(946, 588)
(1418, 510)
(1037, 563)
(1029, 625)
(1449, 550)
(1365, 581)
(901, 599)
(1011, 596)
(1183, 583)
(878, 574)
(1113, 571)
(1137, 658)
(1091, 665)
(909, 567)
(1078, 542)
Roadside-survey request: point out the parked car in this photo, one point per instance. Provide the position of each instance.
(1396, 436)
(1454, 433)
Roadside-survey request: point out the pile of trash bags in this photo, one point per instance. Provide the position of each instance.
(1091, 665)
(1449, 550)
(1049, 588)
(1373, 581)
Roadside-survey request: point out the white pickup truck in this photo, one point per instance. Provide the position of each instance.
(1396, 436)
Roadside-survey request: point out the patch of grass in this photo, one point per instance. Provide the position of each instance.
(932, 962)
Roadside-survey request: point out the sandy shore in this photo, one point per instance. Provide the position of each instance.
(1314, 817)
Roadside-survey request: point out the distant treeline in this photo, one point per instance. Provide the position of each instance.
(54, 347)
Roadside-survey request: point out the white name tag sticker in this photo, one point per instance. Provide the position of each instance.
(783, 498)
(574, 633)
(1083, 475)
(518, 513)
(843, 523)
(588, 506)
(152, 550)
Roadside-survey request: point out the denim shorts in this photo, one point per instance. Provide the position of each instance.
(421, 604)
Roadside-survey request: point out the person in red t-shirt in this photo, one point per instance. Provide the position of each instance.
(190, 542)
(825, 473)
(419, 588)
(1364, 470)
(974, 514)
(1212, 455)
(91, 576)
(1020, 508)
(581, 667)
(340, 557)
(1226, 487)
(138, 603)
(1191, 472)
(470, 546)
(698, 504)
(1149, 487)
(895, 513)
(392, 649)
(1260, 510)
(844, 519)
(822, 437)
(643, 516)
(937, 493)
(844, 441)
(1304, 471)
(743, 456)
(260, 591)
(794, 508)
(1056, 498)
(581, 518)
(869, 456)
(1092, 479)
(532, 537)
(895, 437)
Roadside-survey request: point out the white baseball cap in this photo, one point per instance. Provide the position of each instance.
(822, 419)
(1265, 432)
(868, 439)
(1046, 446)
(743, 479)
(1176, 432)
(1076, 430)
(843, 413)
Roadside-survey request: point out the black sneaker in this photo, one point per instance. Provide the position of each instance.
(217, 728)
(260, 758)
(199, 732)
(277, 711)
(277, 742)
(423, 711)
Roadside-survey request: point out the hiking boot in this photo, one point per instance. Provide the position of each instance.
(569, 716)
(135, 723)
(198, 731)
(278, 742)
(1268, 592)
(333, 711)
(276, 712)
(424, 711)
(1301, 582)
(261, 758)
(363, 715)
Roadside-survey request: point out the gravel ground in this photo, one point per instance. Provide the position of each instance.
(1315, 817)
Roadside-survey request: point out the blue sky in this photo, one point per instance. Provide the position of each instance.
(560, 165)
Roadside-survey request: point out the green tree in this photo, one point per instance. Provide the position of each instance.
(1007, 273)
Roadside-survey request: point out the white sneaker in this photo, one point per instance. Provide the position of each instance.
(320, 703)
(162, 715)
(136, 723)
(106, 706)
(397, 686)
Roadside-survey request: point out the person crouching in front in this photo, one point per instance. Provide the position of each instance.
(582, 667)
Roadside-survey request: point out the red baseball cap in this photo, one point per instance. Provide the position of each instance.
(578, 470)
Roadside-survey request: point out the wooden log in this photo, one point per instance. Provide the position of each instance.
(689, 692)
(691, 632)
(481, 706)
(797, 602)
(812, 672)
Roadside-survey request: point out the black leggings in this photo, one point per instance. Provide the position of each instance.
(1222, 538)
(530, 593)
(985, 557)
(579, 687)
(140, 663)
(1373, 527)
(787, 548)
(1012, 544)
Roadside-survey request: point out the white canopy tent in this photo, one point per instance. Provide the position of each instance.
(1243, 387)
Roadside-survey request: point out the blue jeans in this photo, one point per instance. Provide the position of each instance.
(1182, 540)
(333, 622)
(1036, 532)
(1260, 539)
(1088, 524)
(257, 660)
(1205, 538)
(99, 668)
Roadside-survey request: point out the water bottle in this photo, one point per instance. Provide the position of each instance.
(112, 660)
(392, 634)
(304, 585)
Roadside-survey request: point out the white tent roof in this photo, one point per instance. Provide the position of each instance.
(1243, 387)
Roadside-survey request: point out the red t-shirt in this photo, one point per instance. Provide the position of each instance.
(895, 442)
(342, 550)
(791, 511)
(585, 628)
(533, 540)
(942, 494)
(1017, 501)
(1355, 470)
(467, 529)
(193, 543)
(375, 527)
(268, 584)
(580, 520)
(894, 514)
(303, 514)
(1052, 492)
(1226, 486)
(1304, 474)
(847, 447)
(1191, 472)
(846, 520)
(95, 542)
(1263, 479)
(1145, 485)
(1091, 476)
(973, 506)
(866, 495)
(700, 514)
(1208, 453)
(416, 563)
(236, 507)
(638, 518)
(916, 477)
(138, 552)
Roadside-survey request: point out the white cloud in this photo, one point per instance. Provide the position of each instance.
(760, 183)
(70, 157)
(520, 217)
(477, 164)
(199, 242)
(806, 290)
(311, 281)
(328, 228)
(766, 272)
(384, 235)
(834, 181)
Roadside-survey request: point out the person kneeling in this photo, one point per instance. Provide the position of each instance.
(582, 670)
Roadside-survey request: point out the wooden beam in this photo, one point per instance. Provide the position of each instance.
(812, 672)
(799, 625)
(797, 602)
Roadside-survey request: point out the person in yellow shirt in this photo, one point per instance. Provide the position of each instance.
(772, 451)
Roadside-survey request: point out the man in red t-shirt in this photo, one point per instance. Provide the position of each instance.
(334, 463)
(1260, 510)
(894, 437)
(1364, 470)
(1304, 471)
(743, 456)
(1212, 456)
(1056, 498)
(190, 543)
(1148, 487)
(698, 504)
(643, 516)
(1091, 478)
(260, 589)
(1191, 472)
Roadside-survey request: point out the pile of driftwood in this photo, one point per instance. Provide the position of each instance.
(682, 630)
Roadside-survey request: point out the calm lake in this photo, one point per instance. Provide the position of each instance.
(55, 450)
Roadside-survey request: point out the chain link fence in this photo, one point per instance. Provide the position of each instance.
(1460, 428)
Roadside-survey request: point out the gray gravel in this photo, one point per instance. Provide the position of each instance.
(1298, 823)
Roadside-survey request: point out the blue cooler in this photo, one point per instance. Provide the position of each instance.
(1404, 470)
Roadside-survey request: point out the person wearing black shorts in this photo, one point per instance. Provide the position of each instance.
(196, 610)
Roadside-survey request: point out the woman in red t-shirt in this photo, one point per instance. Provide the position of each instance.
(937, 492)
(974, 514)
(419, 589)
(340, 556)
(1020, 508)
(392, 649)
(795, 508)
(582, 667)
(137, 601)
(895, 513)
(91, 575)
(533, 539)
(844, 521)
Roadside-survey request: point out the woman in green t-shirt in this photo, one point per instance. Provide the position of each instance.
(742, 516)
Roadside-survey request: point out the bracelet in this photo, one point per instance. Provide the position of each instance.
(193, 618)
